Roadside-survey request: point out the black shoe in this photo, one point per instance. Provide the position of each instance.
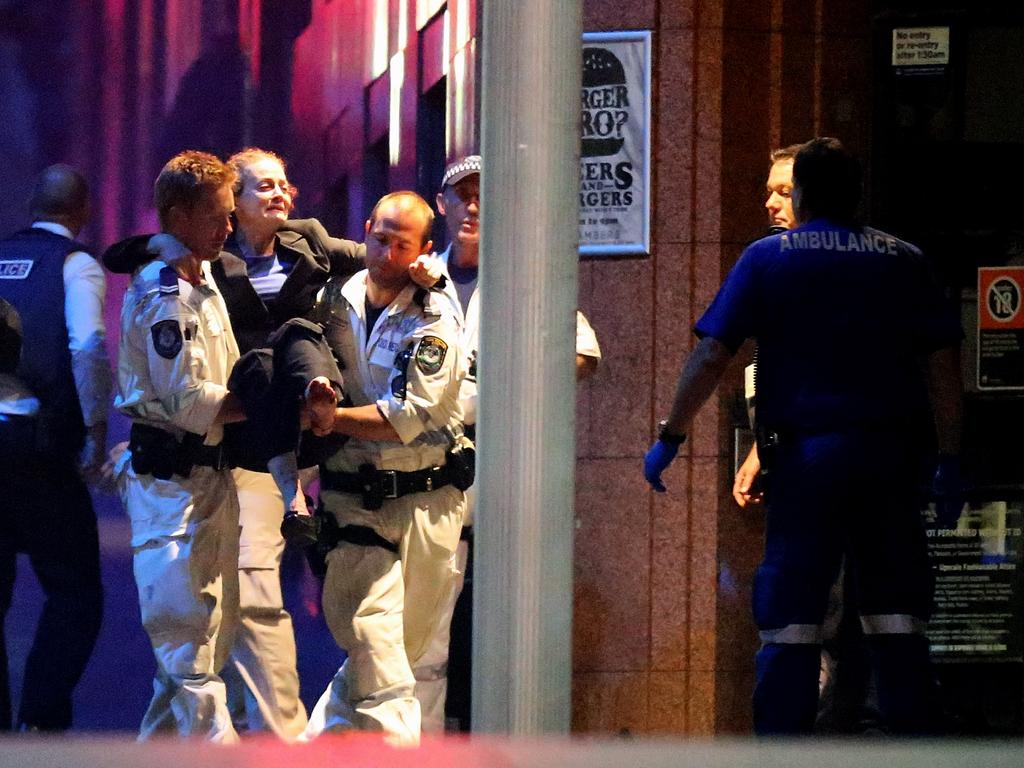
(300, 530)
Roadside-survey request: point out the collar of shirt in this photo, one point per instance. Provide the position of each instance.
(463, 293)
(445, 257)
(54, 227)
(463, 275)
(455, 272)
(354, 291)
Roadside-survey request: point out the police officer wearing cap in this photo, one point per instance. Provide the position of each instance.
(176, 352)
(854, 342)
(394, 490)
(459, 203)
(53, 426)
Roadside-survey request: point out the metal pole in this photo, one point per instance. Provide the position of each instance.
(522, 636)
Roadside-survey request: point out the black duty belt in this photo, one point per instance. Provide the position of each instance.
(13, 422)
(330, 534)
(18, 431)
(377, 485)
(156, 452)
(362, 536)
(214, 456)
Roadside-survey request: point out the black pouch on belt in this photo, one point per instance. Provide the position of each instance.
(461, 463)
(156, 452)
(768, 441)
(326, 539)
(373, 491)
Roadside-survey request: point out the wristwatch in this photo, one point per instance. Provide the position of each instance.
(671, 438)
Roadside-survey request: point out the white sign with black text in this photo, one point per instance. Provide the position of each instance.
(920, 47)
(615, 147)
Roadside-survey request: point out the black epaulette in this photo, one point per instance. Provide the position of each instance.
(424, 297)
(169, 281)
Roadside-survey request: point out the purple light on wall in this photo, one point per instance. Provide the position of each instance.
(113, 65)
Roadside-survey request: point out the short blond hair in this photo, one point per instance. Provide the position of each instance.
(186, 177)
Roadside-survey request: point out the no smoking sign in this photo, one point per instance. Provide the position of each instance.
(1000, 328)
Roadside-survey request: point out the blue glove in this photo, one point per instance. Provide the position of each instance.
(656, 461)
(948, 488)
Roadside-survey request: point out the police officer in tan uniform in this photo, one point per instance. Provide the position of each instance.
(176, 351)
(391, 488)
(459, 202)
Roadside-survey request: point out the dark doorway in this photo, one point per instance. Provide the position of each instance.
(337, 216)
(375, 173)
(430, 150)
(947, 158)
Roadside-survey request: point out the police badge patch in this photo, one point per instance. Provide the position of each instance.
(167, 338)
(430, 354)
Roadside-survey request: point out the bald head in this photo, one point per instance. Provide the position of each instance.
(62, 196)
(409, 202)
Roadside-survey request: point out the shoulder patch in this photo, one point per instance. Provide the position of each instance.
(430, 354)
(168, 281)
(167, 338)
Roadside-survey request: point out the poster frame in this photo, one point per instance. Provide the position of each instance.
(1016, 275)
(643, 246)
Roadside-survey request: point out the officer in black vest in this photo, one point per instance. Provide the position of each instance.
(53, 424)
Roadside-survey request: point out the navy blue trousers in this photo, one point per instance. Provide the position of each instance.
(47, 514)
(828, 494)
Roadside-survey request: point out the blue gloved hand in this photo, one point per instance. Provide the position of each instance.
(656, 461)
(948, 488)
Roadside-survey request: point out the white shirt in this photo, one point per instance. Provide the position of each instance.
(469, 320)
(176, 353)
(85, 290)
(407, 365)
(586, 339)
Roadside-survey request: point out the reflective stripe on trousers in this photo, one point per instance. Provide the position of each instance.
(893, 624)
(793, 634)
(879, 624)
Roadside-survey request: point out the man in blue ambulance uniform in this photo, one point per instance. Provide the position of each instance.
(854, 341)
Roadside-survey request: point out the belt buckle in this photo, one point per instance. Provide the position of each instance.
(389, 483)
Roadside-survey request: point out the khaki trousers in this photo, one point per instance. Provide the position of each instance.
(263, 684)
(185, 546)
(384, 607)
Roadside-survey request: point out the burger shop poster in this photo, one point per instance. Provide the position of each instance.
(615, 146)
